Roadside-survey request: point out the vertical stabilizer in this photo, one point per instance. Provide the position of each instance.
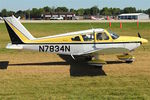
(17, 32)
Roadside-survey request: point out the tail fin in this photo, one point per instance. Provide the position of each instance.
(17, 32)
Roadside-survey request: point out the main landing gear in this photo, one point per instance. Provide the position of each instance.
(97, 61)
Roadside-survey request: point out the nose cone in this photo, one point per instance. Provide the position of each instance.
(144, 41)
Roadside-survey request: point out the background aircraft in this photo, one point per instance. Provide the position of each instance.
(94, 18)
(81, 46)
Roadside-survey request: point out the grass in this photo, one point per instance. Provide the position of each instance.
(53, 81)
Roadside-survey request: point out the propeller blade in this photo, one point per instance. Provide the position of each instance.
(139, 35)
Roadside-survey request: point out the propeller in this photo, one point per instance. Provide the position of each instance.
(139, 35)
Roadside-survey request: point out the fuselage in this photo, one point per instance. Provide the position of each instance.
(98, 41)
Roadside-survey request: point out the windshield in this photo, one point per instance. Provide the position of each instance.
(113, 35)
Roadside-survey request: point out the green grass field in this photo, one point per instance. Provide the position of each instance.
(42, 76)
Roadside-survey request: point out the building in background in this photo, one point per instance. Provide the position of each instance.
(133, 16)
(65, 15)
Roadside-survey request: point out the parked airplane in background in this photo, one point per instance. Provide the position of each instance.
(94, 18)
(81, 46)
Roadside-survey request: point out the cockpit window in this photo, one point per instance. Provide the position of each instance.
(113, 35)
(102, 36)
(77, 38)
(88, 37)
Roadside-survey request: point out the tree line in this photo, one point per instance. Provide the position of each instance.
(94, 11)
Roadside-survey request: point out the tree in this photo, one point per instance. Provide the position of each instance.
(80, 12)
(148, 11)
(87, 11)
(129, 10)
(47, 9)
(94, 10)
(140, 11)
(4, 13)
(116, 11)
(28, 14)
(20, 13)
(61, 9)
(41, 10)
(35, 13)
(106, 12)
(72, 10)
(53, 8)
(10, 13)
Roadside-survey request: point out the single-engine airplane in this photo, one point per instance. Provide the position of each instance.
(81, 46)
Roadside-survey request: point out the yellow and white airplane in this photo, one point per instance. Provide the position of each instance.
(82, 46)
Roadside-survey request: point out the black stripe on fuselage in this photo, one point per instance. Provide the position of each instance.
(85, 43)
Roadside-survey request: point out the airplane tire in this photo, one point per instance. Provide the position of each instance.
(129, 62)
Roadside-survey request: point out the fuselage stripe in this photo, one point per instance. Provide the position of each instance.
(86, 43)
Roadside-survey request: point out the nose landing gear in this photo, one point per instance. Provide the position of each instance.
(126, 57)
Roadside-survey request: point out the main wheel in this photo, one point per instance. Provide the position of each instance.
(129, 61)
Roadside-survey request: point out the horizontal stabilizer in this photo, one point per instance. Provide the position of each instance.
(14, 46)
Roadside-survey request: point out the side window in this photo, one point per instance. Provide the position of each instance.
(102, 36)
(105, 37)
(88, 37)
(99, 36)
(77, 38)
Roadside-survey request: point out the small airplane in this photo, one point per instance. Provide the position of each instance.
(94, 18)
(81, 46)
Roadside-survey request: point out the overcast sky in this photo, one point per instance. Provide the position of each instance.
(29, 4)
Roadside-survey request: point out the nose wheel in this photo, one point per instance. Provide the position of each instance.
(126, 57)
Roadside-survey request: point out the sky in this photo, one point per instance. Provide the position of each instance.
(16, 5)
